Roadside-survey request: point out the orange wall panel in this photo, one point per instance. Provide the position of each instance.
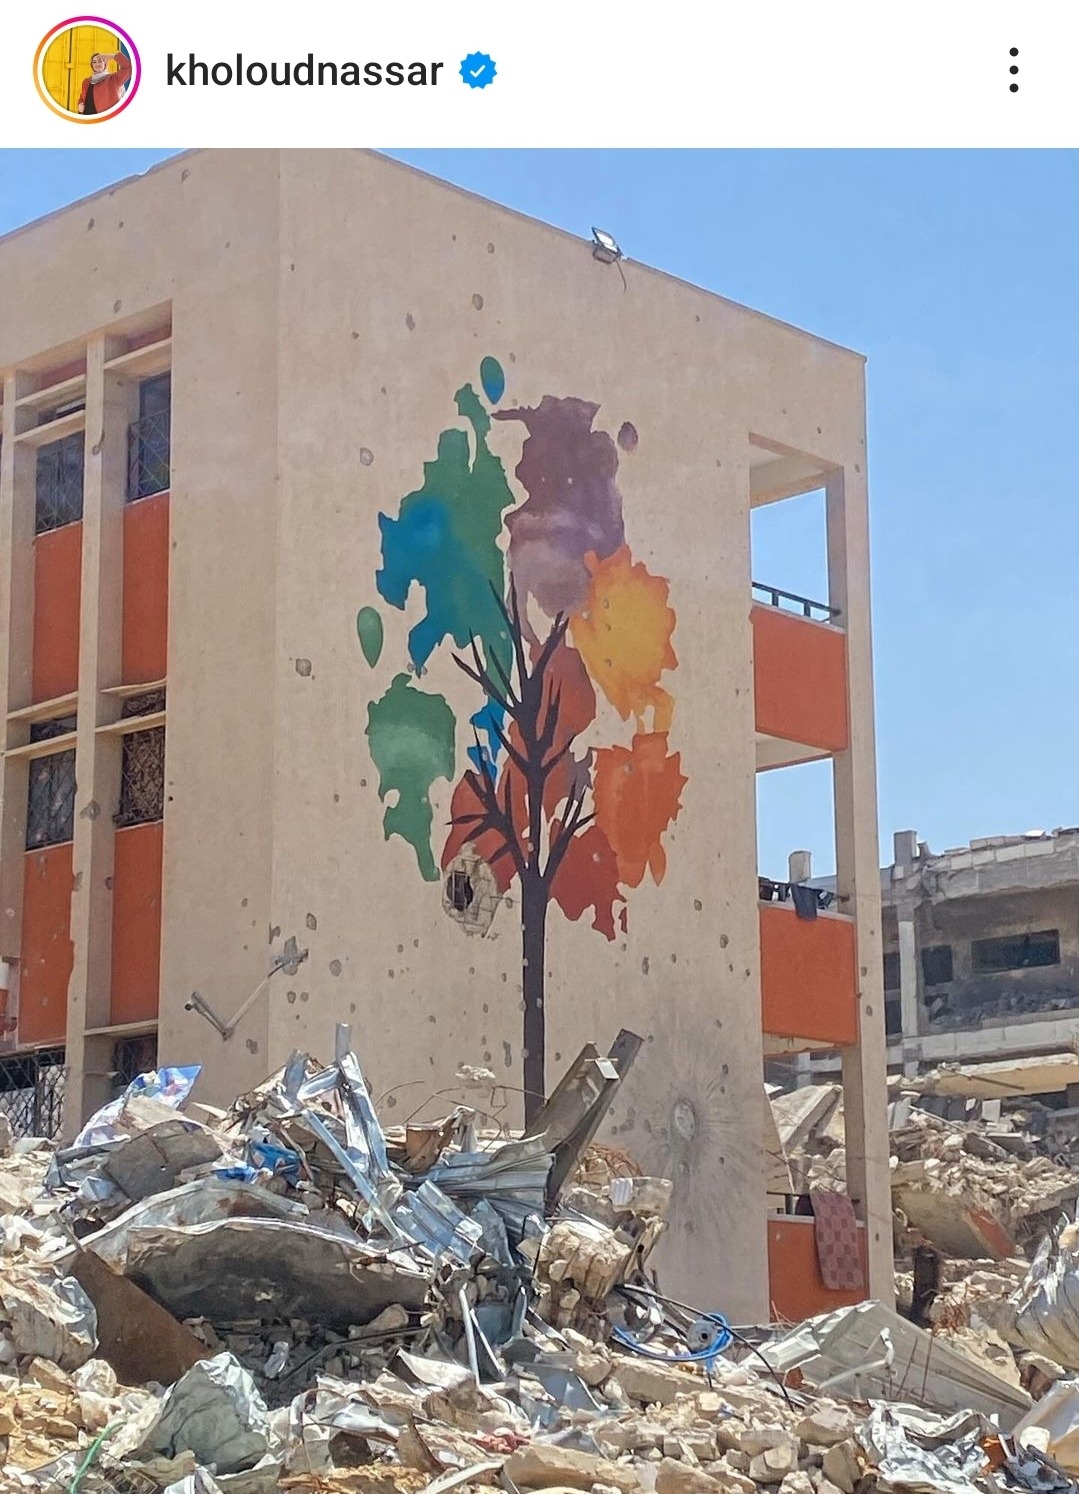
(800, 679)
(47, 954)
(146, 590)
(57, 591)
(809, 986)
(796, 1290)
(136, 923)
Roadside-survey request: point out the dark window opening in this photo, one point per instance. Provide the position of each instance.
(143, 705)
(1016, 952)
(58, 412)
(142, 778)
(149, 440)
(937, 965)
(893, 1016)
(459, 891)
(131, 1057)
(32, 1092)
(45, 731)
(891, 971)
(50, 806)
(59, 484)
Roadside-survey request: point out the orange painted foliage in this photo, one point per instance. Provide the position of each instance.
(624, 635)
(588, 878)
(637, 792)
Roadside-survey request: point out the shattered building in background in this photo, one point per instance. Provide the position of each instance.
(342, 514)
(981, 963)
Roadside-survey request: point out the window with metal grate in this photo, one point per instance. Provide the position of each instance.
(50, 803)
(32, 1092)
(59, 484)
(149, 440)
(142, 778)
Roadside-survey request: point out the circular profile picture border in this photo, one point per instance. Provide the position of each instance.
(39, 58)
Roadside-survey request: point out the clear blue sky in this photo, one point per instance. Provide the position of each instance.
(956, 273)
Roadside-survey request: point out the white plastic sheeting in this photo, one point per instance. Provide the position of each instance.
(1047, 1305)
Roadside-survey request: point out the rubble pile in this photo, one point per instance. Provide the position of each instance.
(976, 1188)
(288, 1295)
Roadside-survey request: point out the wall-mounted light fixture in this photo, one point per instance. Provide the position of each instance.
(605, 247)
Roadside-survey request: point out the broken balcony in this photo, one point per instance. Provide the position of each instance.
(796, 1288)
(799, 678)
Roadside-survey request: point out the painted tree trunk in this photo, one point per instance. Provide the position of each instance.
(534, 958)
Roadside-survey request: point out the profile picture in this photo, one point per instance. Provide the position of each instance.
(87, 69)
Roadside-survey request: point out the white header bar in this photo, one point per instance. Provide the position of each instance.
(762, 73)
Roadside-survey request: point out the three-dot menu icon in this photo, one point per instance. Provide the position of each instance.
(1013, 86)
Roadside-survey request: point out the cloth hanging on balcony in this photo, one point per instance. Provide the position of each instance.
(806, 900)
(836, 1230)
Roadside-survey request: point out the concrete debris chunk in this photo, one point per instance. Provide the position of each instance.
(674, 1477)
(826, 1425)
(774, 1464)
(541, 1466)
(650, 1383)
(843, 1465)
(47, 1315)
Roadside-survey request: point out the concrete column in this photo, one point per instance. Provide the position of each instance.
(909, 993)
(803, 1070)
(858, 872)
(16, 632)
(97, 757)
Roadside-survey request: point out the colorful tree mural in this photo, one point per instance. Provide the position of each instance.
(550, 614)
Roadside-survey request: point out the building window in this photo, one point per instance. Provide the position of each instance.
(937, 965)
(893, 1016)
(59, 484)
(131, 1057)
(32, 1092)
(142, 778)
(50, 807)
(1016, 952)
(891, 972)
(149, 439)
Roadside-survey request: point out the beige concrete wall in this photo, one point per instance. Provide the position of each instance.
(373, 349)
(326, 307)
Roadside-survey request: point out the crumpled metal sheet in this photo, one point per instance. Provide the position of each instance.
(428, 1218)
(215, 1412)
(333, 1109)
(1056, 1418)
(200, 1202)
(234, 1268)
(513, 1178)
(1047, 1304)
(872, 1353)
(338, 1408)
(1028, 1469)
(923, 1454)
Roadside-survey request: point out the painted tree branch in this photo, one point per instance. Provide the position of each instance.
(531, 707)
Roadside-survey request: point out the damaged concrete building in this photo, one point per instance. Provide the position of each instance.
(981, 948)
(344, 514)
(981, 963)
